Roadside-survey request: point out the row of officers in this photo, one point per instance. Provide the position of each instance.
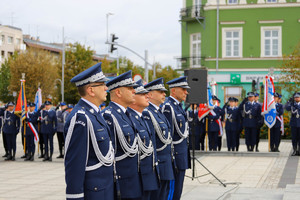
(40, 126)
(235, 118)
(137, 147)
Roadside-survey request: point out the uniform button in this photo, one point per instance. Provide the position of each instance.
(119, 176)
(95, 189)
(102, 138)
(127, 133)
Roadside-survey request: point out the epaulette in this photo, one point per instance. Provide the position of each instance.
(107, 112)
(81, 112)
(146, 117)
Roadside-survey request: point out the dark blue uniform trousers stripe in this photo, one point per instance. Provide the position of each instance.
(178, 186)
(162, 192)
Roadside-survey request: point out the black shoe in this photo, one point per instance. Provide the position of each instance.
(60, 156)
(256, 150)
(46, 158)
(41, 156)
(294, 153)
(27, 158)
(13, 158)
(5, 155)
(9, 157)
(24, 156)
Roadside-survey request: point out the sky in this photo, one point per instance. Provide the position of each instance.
(141, 25)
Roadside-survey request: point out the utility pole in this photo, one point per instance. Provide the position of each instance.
(146, 66)
(63, 67)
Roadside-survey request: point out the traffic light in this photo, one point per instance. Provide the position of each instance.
(113, 38)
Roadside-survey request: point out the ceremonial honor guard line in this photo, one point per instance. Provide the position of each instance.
(142, 138)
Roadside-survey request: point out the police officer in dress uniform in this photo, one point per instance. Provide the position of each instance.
(176, 116)
(276, 129)
(252, 114)
(124, 135)
(31, 117)
(213, 127)
(293, 105)
(67, 113)
(60, 128)
(147, 153)
(239, 124)
(260, 121)
(1, 125)
(231, 124)
(192, 116)
(89, 153)
(11, 126)
(41, 141)
(48, 128)
(162, 138)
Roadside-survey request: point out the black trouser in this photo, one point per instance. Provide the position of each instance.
(295, 137)
(30, 146)
(250, 136)
(4, 142)
(42, 144)
(257, 137)
(213, 140)
(48, 140)
(61, 141)
(11, 142)
(162, 192)
(274, 137)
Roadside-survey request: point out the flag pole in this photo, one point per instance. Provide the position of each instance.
(206, 133)
(269, 139)
(24, 123)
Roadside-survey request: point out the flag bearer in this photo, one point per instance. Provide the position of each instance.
(277, 128)
(31, 117)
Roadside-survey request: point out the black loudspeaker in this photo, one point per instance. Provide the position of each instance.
(197, 80)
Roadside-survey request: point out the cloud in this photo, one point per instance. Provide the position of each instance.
(139, 24)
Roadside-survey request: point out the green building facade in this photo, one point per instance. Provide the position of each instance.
(253, 36)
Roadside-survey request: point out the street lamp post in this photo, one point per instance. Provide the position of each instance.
(107, 15)
(63, 67)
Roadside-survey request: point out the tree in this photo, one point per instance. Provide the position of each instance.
(40, 68)
(77, 59)
(291, 71)
(5, 93)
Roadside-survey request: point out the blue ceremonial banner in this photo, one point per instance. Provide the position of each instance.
(38, 99)
(209, 97)
(269, 108)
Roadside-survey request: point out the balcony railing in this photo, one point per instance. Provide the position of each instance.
(190, 13)
(191, 62)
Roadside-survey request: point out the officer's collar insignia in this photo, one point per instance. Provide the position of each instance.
(136, 117)
(119, 110)
(92, 110)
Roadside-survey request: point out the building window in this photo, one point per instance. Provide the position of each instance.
(197, 8)
(271, 41)
(232, 92)
(18, 41)
(232, 41)
(9, 40)
(3, 39)
(271, 1)
(196, 50)
(232, 1)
